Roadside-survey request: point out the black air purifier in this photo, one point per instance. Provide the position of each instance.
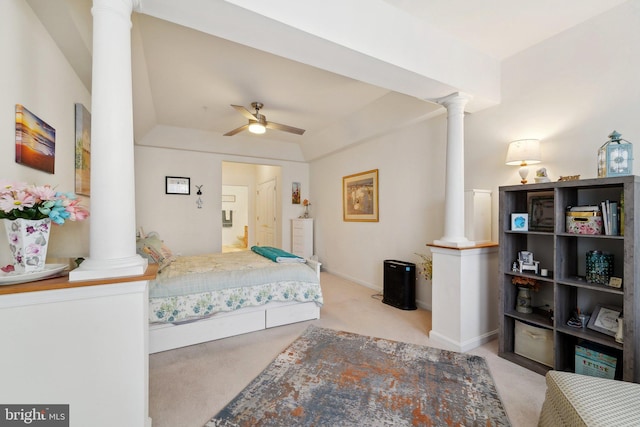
(399, 284)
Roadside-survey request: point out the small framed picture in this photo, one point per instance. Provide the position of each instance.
(177, 185)
(605, 319)
(519, 222)
(295, 193)
(615, 282)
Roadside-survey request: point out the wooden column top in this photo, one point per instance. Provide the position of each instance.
(62, 282)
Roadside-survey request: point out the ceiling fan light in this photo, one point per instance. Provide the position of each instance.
(256, 127)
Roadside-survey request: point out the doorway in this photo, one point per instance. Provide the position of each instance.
(235, 218)
(253, 177)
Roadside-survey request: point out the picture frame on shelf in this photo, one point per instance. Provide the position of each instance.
(519, 222)
(541, 213)
(360, 197)
(177, 185)
(604, 319)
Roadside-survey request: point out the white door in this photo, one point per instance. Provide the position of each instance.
(266, 211)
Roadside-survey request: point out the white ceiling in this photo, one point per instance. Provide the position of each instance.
(188, 78)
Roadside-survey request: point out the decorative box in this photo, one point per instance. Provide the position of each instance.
(584, 222)
(594, 363)
(534, 343)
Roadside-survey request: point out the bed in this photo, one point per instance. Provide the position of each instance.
(201, 298)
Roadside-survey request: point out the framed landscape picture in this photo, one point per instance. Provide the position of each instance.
(83, 150)
(35, 141)
(360, 196)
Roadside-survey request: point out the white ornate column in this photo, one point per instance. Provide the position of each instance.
(112, 230)
(464, 291)
(454, 179)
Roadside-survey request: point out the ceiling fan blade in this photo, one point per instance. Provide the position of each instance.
(237, 130)
(244, 112)
(285, 128)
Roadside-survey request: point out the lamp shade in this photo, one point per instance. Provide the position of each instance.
(524, 151)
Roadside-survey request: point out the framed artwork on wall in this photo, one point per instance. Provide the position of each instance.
(177, 185)
(35, 141)
(295, 193)
(83, 150)
(360, 197)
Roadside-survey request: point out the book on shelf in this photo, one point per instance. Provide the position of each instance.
(610, 218)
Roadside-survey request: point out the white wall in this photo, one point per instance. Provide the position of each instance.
(67, 347)
(36, 75)
(188, 230)
(570, 91)
(411, 201)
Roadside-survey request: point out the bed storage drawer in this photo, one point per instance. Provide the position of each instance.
(292, 313)
(167, 337)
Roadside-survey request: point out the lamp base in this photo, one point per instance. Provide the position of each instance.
(524, 172)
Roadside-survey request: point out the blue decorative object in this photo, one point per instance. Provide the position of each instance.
(615, 157)
(519, 222)
(599, 267)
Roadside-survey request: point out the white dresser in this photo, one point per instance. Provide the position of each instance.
(302, 237)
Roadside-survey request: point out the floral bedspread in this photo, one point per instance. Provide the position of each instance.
(200, 286)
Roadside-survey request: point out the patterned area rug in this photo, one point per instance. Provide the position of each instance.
(333, 378)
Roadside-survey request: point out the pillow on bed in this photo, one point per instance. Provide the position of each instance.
(154, 249)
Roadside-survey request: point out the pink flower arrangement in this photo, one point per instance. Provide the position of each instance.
(21, 200)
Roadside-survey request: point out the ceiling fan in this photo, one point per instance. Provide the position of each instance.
(258, 122)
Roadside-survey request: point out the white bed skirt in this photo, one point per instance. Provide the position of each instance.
(164, 337)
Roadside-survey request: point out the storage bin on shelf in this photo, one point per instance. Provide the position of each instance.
(534, 343)
(583, 220)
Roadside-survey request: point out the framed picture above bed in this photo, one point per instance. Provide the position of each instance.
(360, 196)
(177, 185)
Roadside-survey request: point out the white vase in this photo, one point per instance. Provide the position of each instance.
(28, 242)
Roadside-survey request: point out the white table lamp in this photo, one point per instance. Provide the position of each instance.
(523, 152)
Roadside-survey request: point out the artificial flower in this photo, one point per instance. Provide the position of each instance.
(20, 200)
(525, 282)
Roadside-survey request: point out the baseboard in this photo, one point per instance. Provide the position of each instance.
(419, 303)
(462, 346)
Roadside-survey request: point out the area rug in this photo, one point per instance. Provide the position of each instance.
(334, 378)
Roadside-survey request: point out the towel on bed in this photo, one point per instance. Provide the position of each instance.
(276, 254)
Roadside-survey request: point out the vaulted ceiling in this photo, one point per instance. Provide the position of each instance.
(341, 71)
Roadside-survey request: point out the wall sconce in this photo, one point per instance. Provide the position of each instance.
(521, 153)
